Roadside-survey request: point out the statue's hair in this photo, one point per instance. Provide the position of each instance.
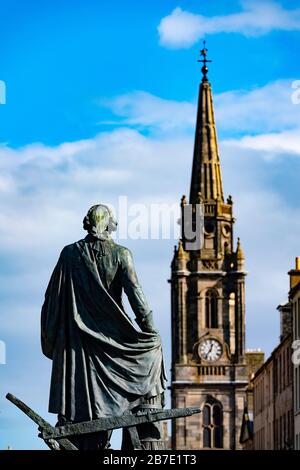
(112, 221)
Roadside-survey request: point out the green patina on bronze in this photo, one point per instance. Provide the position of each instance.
(102, 364)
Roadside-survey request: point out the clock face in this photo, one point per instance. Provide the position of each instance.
(210, 350)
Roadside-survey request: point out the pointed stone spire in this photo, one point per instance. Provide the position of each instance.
(240, 257)
(180, 257)
(181, 253)
(239, 251)
(206, 172)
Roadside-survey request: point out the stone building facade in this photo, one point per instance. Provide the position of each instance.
(273, 417)
(209, 366)
(294, 298)
(255, 359)
(273, 401)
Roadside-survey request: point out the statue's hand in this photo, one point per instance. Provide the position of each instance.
(146, 323)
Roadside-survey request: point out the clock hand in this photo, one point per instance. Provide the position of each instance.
(209, 351)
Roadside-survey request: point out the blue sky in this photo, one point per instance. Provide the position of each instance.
(100, 103)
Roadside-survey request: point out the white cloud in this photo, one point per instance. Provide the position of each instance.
(142, 109)
(270, 145)
(265, 109)
(46, 191)
(182, 29)
(267, 208)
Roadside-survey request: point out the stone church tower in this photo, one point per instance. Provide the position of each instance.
(209, 368)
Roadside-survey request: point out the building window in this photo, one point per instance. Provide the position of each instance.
(212, 425)
(275, 375)
(211, 309)
(298, 320)
(294, 310)
(284, 369)
(289, 365)
(279, 373)
(298, 389)
(288, 428)
(280, 433)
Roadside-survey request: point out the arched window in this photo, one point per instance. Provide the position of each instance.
(212, 425)
(211, 309)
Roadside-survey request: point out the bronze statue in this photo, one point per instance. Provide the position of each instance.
(102, 364)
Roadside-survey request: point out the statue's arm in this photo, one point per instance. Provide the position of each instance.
(135, 294)
(51, 313)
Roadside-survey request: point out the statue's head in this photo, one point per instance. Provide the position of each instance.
(100, 221)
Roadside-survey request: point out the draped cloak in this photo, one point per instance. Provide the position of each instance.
(102, 365)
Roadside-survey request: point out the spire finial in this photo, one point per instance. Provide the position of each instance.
(204, 69)
(181, 253)
(239, 251)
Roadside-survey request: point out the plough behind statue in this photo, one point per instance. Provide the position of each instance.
(57, 437)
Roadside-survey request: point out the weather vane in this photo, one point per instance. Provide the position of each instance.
(203, 54)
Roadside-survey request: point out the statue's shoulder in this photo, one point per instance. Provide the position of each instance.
(69, 250)
(119, 252)
(124, 254)
(121, 248)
